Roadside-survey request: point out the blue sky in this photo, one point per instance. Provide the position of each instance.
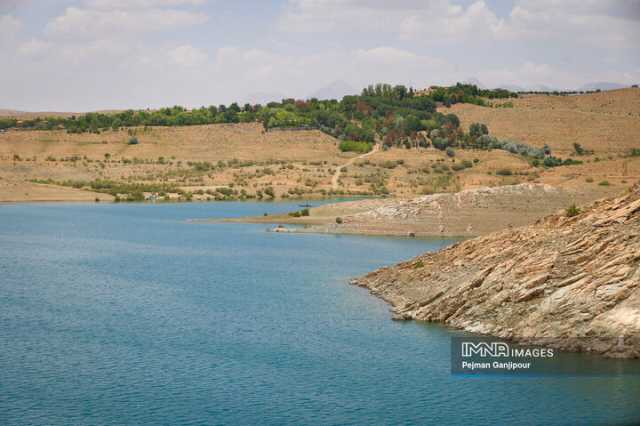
(80, 55)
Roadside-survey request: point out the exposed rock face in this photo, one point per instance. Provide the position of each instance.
(557, 279)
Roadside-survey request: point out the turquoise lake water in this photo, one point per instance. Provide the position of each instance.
(128, 314)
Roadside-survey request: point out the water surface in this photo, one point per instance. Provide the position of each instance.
(128, 314)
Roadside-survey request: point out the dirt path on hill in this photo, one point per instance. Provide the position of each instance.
(336, 175)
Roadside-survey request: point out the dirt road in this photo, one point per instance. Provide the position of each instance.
(336, 176)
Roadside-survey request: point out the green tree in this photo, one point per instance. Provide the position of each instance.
(478, 129)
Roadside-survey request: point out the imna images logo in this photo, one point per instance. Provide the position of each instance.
(498, 349)
(485, 349)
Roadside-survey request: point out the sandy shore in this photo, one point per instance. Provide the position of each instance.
(464, 214)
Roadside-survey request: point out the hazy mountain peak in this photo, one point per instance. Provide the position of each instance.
(334, 90)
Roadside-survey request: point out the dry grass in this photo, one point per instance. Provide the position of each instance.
(301, 163)
(606, 122)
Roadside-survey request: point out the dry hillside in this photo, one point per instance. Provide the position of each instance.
(606, 122)
(242, 161)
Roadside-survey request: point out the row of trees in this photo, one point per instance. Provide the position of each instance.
(467, 93)
(7, 123)
(379, 110)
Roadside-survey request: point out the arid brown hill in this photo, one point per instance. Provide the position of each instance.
(560, 278)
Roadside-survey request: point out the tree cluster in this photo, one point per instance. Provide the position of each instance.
(395, 114)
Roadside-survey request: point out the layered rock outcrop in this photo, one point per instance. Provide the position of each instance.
(573, 282)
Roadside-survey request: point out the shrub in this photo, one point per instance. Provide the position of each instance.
(269, 192)
(303, 212)
(466, 164)
(589, 179)
(604, 183)
(504, 172)
(556, 162)
(451, 152)
(355, 146)
(478, 129)
(440, 143)
(339, 220)
(133, 141)
(635, 152)
(390, 164)
(572, 211)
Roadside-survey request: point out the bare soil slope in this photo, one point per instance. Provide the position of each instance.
(606, 122)
(244, 161)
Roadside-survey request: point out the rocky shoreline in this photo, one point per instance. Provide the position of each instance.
(573, 282)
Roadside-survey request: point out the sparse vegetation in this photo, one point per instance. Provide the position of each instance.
(572, 211)
(233, 169)
(557, 162)
(504, 172)
(300, 213)
(123, 191)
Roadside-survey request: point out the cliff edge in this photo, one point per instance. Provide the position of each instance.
(573, 282)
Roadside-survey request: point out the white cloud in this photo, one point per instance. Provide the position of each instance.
(142, 56)
(78, 23)
(9, 28)
(580, 22)
(594, 23)
(11, 5)
(452, 22)
(352, 15)
(33, 47)
(141, 4)
(254, 70)
(386, 55)
(406, 19)
(187, 55)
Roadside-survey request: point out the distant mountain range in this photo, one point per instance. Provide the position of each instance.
(264, 98)
(335, 90)
(25, 115)
(601, 85)
(475, 81)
